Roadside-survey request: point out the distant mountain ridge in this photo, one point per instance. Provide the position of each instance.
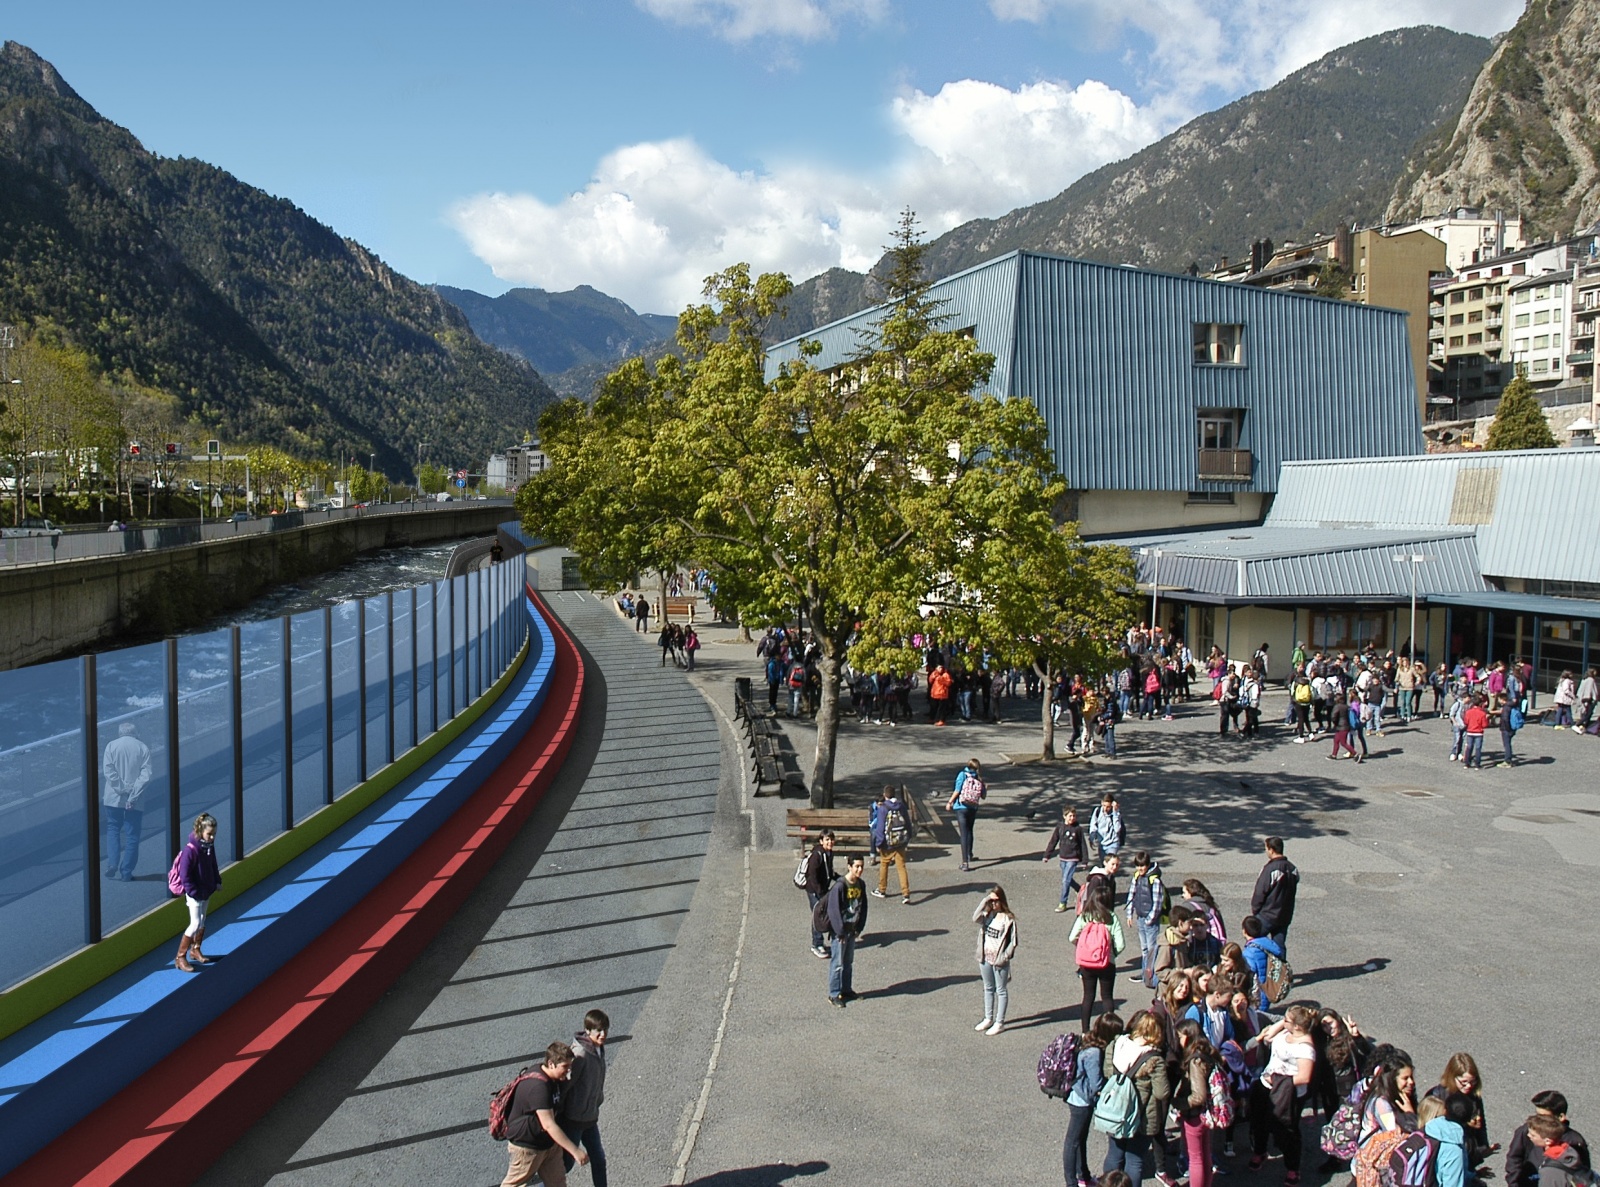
(265, 324)
(1323, 146)
(557, 332)
(1528, 136)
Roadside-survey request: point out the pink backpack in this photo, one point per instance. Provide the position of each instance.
(174, 879)
(1094, 946)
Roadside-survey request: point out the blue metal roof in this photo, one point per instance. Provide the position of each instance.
(1526, 506)
(1105, 352)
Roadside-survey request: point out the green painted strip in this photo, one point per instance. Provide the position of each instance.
(32, 999)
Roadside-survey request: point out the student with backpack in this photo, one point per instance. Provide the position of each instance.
(1200, 1099)
(1097, 941)
(1134, 1098)
(1148, 903)
(1561, 1164)
(816, 877)
(1087, 1082)
(969, 791)
(523, 1114)
(1067, 841)
(1446, 1164)
(997, 944)
(1281, 1090)
(891, 833)
(194, 875)
(1106, 828)
(1260, 953)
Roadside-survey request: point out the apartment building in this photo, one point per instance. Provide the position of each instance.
(1469, 236)
(1540, 307)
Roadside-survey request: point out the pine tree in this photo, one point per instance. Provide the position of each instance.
(1519, 422)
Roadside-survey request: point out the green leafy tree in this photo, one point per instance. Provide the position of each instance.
(432, 478)
(1519, 422)
(1333, 281)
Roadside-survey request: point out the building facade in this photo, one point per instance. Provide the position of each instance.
(1469, 236)
(1172, 401)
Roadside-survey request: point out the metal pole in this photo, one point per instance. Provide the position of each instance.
(174, 815)
(327, 704)
(288, 730)
(236, 683)
(433, 662)
(416, 681)
(1413, 644)
(361, 686)
(1155, 590)
(91, 803)
(388, 652)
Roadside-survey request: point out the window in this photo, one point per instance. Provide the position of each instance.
(1218, 343)
(1541, 342)
(1523, 296)
(1521, 345)
(1474, 339)
(1219, 428)
(1522, 320)
(1555, 341)
(1457, 318)
(1540, 366)
(1542, 317)
(1213, 498)
(1475, 294)
(1475, 316)
(1541, 293)
(1457, 297)
(1458, 340)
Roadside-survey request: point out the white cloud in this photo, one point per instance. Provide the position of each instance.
(744, 20)
(1241, 45)
(658, 218)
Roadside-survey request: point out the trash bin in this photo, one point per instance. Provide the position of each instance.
(741, 695)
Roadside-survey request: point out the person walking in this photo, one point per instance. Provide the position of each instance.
(1097, 940)
(585, 1093)
(1588, 695)
(847, 918)
(970, 790)
(1068, 843)
(1272, 900)
(125, 772)
(198, 875)
(1106, 828)
(641, 616)
(997, 944)
(1344, 714)
(535, 1141)
(819, 878)
(1146, 896)
(891, 833)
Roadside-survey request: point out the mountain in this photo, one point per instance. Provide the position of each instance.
(1528, 137)
(261, 321)
(557, 332)
(1321, 147)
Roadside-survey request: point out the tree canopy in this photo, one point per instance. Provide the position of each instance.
(1519, 422)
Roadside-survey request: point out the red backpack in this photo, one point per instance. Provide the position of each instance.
(500, 1104)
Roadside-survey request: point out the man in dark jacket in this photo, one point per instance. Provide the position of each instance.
(585, 1092)
(1273, 900)
(847, 919)
(819, 877)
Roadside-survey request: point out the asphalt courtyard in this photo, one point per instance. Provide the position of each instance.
(1445, 910)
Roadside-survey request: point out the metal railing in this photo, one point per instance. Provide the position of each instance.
(77, 545)
(260, 725)
(1225, 463)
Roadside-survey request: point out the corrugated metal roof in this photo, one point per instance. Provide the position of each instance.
(1522, 603)
(1106, 353)
(1312, 564)
(1526, 505)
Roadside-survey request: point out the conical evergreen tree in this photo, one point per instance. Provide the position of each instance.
(1519, 422)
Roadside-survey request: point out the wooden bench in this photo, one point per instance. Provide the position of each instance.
(851, 823)
(679, 607)
(766, 750)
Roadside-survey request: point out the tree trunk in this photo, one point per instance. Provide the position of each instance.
(827, 726)
(661, 603)
(744, 631)
(1047, 723)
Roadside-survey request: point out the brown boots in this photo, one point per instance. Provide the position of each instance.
(195, 955)
(182, 963)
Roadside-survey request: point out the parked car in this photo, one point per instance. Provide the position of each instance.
(240, 517)
(31, 526)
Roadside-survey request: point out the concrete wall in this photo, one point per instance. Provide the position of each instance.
(1119, 512)
(47, 611)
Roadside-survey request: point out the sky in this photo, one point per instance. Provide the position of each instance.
(641, 145)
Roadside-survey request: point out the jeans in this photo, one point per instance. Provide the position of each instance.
(1128, 1155)
(689, 659)
(1458, 734)
(1126, 699)
(964, 700)
(1563, 715)
(842, 965)
(965, 819)
(1474, 751)
(1110, 741)
(1149, 940)
(1068, 868)
(1197, 1141)
(1147, 707)
(122, 839)
(588, 1136)
(1406, 696)
(1505, 742)
(794, 701)
(814, 898)
(996, 979)
(1075, 1149)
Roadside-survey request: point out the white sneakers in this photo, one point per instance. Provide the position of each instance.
(984, 1025)
(995, 1029)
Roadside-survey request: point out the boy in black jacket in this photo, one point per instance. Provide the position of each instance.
(1523, 1156)
(1068, 841)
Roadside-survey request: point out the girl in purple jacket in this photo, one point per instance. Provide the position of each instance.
(199, 877)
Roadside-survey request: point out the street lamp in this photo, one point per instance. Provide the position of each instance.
(1413, 559)
(1155, 584)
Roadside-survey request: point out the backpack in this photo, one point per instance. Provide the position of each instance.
(1516, 718)
(1118, 1110)
(896, 832)
(820, 923)
(973, 789)
(174, 879)
(1374, 1156)
(1236, 1067)
(1413, 1163)
(1341, 1136)
(1219, 1110)
(500, 1104)
(1058, 1066)
(800, 870)
(1093, 949)
(1166, 899)
(797, 676)
(1302, 693)
(1279, 979)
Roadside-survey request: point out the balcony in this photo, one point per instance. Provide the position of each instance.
(1436, 309)
(1494, 321)
(1225, 465)
(1436, 331)
(1579, 357)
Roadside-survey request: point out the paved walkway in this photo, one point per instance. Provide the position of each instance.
(1432, 900)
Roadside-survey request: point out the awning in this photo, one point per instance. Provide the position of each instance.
(1500, 601)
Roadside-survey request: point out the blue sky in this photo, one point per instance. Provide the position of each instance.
(638, 145)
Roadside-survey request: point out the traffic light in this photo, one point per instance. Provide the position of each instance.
(134, 449)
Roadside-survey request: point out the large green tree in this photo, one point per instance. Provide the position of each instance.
(1519, 422)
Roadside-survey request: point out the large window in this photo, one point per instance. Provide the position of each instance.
(1219, 429)
(1218, 343)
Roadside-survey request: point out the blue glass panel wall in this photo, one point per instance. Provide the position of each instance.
(205, 733)
(377, 645)
(443, 633)
(346, 698)
(43, 817)
(308, 645)
(463, 685)
(262, 719)
(427, 707)
(136, 846)
(404, 698)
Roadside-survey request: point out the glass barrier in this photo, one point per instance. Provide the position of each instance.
(43, 817)
(105, 761)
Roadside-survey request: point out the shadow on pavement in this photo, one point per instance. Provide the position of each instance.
(770, 1175)
(1342, 972)
(882, 939)
(917, 986)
